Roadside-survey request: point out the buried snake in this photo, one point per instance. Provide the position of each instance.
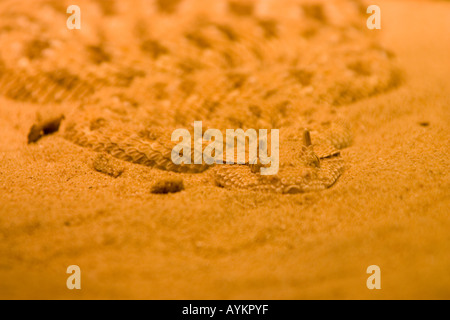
(304, 166)
(288, 64)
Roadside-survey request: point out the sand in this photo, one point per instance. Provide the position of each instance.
(390, 207)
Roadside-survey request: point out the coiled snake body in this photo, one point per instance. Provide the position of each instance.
(137, 68)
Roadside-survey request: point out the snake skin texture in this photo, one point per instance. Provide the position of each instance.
(137, 70)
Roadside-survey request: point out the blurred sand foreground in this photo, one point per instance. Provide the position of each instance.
(390, 208)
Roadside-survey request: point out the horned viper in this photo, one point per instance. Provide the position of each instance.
(137, 69)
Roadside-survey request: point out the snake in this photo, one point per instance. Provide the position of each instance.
(136, 70)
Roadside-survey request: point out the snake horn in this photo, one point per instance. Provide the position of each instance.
(306, 138)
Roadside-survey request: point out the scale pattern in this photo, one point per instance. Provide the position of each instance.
(138, 69)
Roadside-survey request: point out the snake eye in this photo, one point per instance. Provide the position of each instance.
(310, 158)
(316, 161)
(313, 161)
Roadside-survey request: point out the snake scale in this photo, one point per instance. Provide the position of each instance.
(138, 69)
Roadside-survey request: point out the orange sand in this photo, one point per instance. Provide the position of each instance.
(390, 208)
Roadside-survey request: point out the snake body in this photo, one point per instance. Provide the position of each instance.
(137, 68)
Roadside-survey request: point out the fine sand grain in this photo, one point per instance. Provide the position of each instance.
(389, 208)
